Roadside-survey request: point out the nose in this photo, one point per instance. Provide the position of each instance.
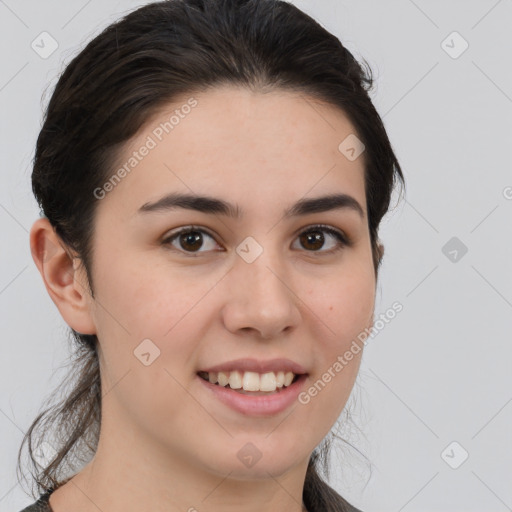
(261, 298)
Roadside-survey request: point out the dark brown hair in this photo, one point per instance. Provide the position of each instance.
(113, 87)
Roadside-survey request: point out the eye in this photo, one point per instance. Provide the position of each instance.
(314, 238)
(192, 238)
(189, 239)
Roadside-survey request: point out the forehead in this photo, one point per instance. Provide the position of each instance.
(233, 142)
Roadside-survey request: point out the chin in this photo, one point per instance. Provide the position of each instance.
(251, 463)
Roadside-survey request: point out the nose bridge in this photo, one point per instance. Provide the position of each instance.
(265, 276)
(261, 295)
(264, 279)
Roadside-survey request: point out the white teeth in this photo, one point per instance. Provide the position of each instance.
(235, 380)
(221, 376)
(251, 381)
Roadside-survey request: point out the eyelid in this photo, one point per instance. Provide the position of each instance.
(329, 229)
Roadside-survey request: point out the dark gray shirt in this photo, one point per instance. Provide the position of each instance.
(41, 505)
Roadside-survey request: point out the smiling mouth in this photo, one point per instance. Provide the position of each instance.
(241, 390)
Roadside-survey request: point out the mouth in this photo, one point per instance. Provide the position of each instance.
(253, 403)
(251, 383)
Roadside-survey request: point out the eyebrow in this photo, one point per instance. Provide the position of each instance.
(215, 206)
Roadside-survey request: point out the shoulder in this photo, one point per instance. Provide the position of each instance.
(38, 506)
(41, 505)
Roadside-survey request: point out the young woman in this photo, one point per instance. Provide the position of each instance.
(212, 175)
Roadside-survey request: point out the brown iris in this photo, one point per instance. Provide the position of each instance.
(312, 237)
(191, 240)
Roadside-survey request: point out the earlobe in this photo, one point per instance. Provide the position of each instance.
(63, 276)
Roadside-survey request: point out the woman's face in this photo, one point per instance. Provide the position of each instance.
(261, 285)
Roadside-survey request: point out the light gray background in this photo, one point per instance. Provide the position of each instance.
(441, 370)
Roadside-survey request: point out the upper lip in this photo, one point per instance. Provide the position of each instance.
(258, 366)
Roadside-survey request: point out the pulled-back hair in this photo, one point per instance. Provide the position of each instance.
(123, 77)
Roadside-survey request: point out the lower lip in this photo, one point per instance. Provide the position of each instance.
(254, 405)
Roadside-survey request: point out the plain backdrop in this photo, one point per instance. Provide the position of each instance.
(433, 401)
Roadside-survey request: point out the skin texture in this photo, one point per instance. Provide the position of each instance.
(165, 444)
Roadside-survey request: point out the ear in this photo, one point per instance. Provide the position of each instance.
(64, 277)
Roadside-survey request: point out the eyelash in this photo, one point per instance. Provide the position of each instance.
(343, 240)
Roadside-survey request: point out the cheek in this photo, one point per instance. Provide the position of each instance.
(147, 326)
(343, 309)
(148, 300)
(164, 312)
(344, 304)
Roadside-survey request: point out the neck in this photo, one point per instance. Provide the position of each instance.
(130, 473)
